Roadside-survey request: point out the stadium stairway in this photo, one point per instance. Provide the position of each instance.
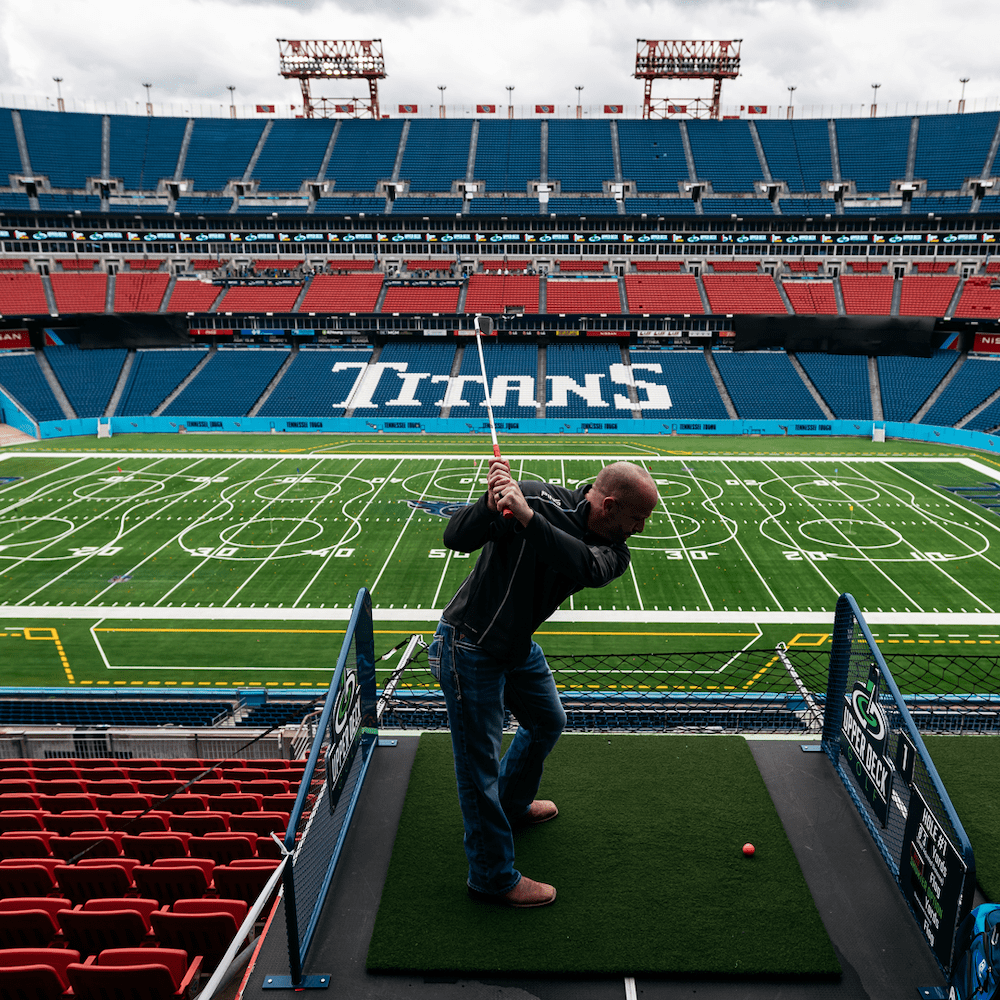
(811, 386)
(189, 378)
(727, 400)
(116, 393)
(940, 388)
(876, 388)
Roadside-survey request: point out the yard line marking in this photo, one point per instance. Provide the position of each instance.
(334, 489)
(850, 541)
(170, 541)
(774, 517)
(204, 519)
(399, 538)
(916, 509)
(10, 487)
(336, 545)
(86, 524)
(684, 549)
(448, 556)
(123, 531)
(735, 530)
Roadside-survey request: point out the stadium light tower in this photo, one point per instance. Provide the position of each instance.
(685, 60)
(61, 105)
(963, 80)
(338, 59)
(874, 110)
(791, 108)
(149, 102)
(510, 101)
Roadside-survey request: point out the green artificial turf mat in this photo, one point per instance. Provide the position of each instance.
(970, 769)
(646, 857)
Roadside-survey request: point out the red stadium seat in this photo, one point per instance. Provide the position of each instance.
(928, 295)
(76, 822)
(214, 786)
(243, 774)
(91, 931)
(259, 298)
(144, 907)
(29, 927)
(867, 295)
(166, 883)
(26, 880)
(238, 802)
(140, 293)
(63, 801)
(262, 823)
(193, 296)
(223, 849)
(8, 785)
(83, 882)
(658, 294)
(264, 786)
(236, 908)
(22, 295)
(128, 864)
(811, 298)
(185, 802)
(89, 845)
(237, 882)
(22, 821)
(583, 297)
(18, 968)
(50, 904)
(187, 773)
(61, 773)
(79, 293)
(189, 762)
(147, 847)
(200, 823)
(149, 773)
(19, 801)
(140, 822)
(747, 293)
(25, 845)
(142, 762)
(491, 293)
(205, 934)
(279, 803)
(657, 265)
(734, 266)
(50, 864)
(421, 299)
(269, 764)
(109, 786)
(135, 973)
(119, 802)
(158, 788)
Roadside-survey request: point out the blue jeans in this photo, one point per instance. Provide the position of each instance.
(495, 794)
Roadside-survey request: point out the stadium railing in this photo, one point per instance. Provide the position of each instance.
(873, 742)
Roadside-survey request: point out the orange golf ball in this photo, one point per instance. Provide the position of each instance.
(748, 850)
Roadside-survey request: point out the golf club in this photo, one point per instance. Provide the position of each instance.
(484, 324)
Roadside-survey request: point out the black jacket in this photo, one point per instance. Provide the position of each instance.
(524, 574)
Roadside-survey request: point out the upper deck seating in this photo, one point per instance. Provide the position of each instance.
(508, 155)
(763, 385)
(724, 153)
(193, 296)
(421, 298)
(866, 295)
(140, 293)
(927, 295)
(364, 154)
(811, 297)
(259, 298)
(652, 155)
(22, 295)
(145, 150)
(64, 146)
(649, 293)
(21, 376)
(80, 293)
(746, 293)
(952, 148)
(340, 293)
(292, 153)
(220, 151)
(436, 154)
(490, 293)
(580, 155)
(798, 153)
(873, 151)
(582, 297)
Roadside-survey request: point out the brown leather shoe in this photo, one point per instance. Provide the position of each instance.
(526, 894)
(540, 811)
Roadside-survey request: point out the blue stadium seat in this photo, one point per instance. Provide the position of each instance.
(437, 153)
(907, 382)
(10, 157)
(435, 359)
(145, 150)
(69, 202)
(580, 154)
(798, 153)
(311, 388)
(807, 206)
(763, 385)
(842, 380)
(652, 154)
(736, 206)
(350, 206)
(364, 154)
(941, 206)
(988, 420)
(408, 205)
(518, 363)
(659, 206)
(14, 201)
(21, 376)
(65, 146)
(219, 151)
(293, 153)
(154, 375)
(582, 206)
(951, 148)
(508, 154)
(88, 377)
(724, 154)
(229, 384)
(973, 382)
(204, 206)
(503, 206)
(688, 380)
(873, 151)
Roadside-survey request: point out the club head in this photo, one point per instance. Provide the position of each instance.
(484, 324)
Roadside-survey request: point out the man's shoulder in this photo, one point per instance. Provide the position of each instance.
(555, 496)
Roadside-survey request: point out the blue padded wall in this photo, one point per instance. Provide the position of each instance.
(873, 151)
(652, 154)
(580, 154)
(508, 154)
(437, 153)
(21, 376)
(953, 147)
(220, 151)
(293, 153)
(88, 377)
(907, 382)
(64, 145)
(154, 375)
(763, 385)
(145, 150)
(364, 154)
(798, 153)
(724, 154)
(311, 388)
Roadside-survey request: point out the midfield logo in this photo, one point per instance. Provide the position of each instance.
(443, 508)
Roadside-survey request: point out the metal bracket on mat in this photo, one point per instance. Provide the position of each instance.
(811, 747)
(933, 992)
(285, 983)
(387, 743)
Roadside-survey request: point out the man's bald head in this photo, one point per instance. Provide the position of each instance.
(621, 499)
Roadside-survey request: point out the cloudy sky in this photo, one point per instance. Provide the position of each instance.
(191, 50)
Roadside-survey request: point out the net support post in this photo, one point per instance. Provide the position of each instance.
(836, 683)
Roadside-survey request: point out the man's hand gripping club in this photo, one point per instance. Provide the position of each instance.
(503, 493)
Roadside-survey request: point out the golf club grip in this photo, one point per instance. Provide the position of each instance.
(508, 514)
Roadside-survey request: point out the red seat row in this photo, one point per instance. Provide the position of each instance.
(143, 763)
(139, 821)
(119, 802)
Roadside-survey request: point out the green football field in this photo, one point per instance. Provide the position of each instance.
(209, 560)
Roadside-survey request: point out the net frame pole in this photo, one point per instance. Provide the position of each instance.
(360, 636)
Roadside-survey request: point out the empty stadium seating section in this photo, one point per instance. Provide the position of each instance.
(764, 385)
(229, 384)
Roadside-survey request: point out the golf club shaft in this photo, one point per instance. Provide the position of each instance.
(489, 407)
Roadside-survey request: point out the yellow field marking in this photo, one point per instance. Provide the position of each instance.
(820, 638)
(282, 631)
(708, 634)
(760, 673)
(51, 635)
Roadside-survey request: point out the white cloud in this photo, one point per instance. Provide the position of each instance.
(191, 50)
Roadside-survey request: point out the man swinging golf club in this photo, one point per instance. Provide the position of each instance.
(557, 542)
